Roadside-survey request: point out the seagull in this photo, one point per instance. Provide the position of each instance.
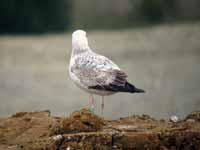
(94, 73)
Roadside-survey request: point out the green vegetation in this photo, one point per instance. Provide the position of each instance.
(151, 10)
(34, 15)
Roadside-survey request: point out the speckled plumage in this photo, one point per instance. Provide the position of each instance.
(89, 69)
(95, 73)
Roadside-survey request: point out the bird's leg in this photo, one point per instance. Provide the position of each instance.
(102, 105)
(91, 104)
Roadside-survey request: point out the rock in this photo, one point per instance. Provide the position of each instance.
(194, 116)
(79, 121)
(85, 131)
(174, 118)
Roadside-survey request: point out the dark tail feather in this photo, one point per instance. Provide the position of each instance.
(132, 89)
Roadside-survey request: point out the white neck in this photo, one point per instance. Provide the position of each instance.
(79, 43)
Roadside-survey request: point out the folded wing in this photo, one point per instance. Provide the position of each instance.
(98, 72)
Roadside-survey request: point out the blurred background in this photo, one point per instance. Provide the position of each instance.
(157, 42)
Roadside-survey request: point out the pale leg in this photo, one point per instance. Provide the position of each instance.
(102, 105)
(91, 104)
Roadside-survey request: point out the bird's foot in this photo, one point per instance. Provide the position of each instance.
(91, 110)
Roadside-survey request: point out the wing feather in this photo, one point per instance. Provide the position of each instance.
(98, 72)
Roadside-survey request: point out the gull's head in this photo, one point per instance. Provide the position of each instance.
(79, 40)
(79, 33)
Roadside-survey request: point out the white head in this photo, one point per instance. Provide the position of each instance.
(79, 40)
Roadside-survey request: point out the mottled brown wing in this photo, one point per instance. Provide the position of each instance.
(98, 73)
(116, 82)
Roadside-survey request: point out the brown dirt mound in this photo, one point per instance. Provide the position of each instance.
(79, 121)
(85, 131)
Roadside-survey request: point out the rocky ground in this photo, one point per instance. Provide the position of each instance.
(85, 131)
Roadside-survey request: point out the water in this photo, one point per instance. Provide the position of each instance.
(163, 60)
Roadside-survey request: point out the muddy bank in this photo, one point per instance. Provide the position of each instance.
(85, 131)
